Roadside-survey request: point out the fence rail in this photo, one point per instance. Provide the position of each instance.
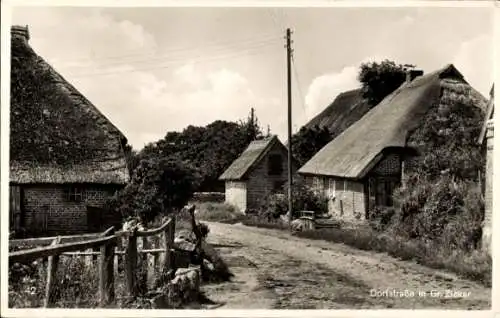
(111, 251)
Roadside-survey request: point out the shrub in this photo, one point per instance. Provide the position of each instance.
(157, 186)
(381, 218)
(449, 211)
(217, 212)
(303, 198)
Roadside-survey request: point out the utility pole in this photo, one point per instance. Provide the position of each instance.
(289, 86)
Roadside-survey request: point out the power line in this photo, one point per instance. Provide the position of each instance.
(158, 67)
(302, 100)
(180, 57)
(192, 48)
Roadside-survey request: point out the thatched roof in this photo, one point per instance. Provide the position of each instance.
(346, 109)
(252, 155)
(56, 134)
(387, 125)
(489, 115)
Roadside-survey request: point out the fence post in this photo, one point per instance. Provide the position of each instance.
(168, 238)
(131, 264)
(106, 271)
(51, 277)
(147, 276)
(156, 256)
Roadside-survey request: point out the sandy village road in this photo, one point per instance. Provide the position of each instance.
(275, 270)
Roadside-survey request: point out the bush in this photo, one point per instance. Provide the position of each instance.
(218, 212)
(303, 198)
(448, 211)
(157, 186)
(381, 218)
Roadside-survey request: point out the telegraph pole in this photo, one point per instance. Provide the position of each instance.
(289, 87)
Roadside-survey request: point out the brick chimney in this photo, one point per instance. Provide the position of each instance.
(20, 32)
(412, 74)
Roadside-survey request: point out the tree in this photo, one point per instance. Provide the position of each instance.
(158, 186)
(380, 79)
(210, 149)
(252, 127)
(308, 141)
(131, 158)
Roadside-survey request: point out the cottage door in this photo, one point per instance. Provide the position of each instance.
(15, 215)
(94, 219)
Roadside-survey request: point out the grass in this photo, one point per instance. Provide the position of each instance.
(475, 265)
(76, 284)
(257, 221)
(217, 212)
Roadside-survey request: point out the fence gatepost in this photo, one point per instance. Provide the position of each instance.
(51, 277)
(168, 238)
(106, 271)
(147, 275)
(131, 264)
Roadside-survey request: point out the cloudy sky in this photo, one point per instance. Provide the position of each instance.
(153, 70)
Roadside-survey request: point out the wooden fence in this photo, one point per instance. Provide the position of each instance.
(155, 243)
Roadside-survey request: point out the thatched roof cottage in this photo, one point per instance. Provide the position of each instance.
(346, 109)
(260, 170)
(486, 139)
(66, 157)
(359, 169)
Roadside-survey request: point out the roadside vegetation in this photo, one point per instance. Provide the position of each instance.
(439, 208)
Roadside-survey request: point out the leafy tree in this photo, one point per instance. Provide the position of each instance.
(210, 149)
(308, 141)
(131, 158)
(157, 186)
(380, 79)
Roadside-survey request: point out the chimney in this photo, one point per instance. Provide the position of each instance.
(20, 32)
(412, 74)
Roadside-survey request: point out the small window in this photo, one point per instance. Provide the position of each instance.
(75, 194)
(275, 165)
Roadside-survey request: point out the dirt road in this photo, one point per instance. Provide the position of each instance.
(276, 270)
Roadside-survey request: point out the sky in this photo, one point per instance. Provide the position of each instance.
(154, 70)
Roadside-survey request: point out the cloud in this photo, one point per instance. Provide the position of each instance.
(323, 89)
(144, 104)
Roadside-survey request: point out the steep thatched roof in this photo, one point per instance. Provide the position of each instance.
(489, 115)
(387, 125)
(254, 153)
(56, 134)
(346, 109)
